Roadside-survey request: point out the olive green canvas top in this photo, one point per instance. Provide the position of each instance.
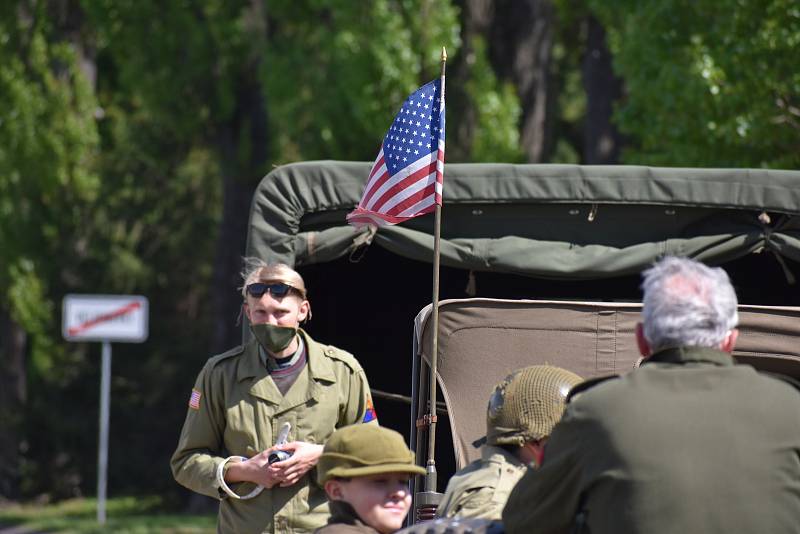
(549, 221)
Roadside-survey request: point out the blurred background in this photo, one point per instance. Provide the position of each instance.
(133, 134)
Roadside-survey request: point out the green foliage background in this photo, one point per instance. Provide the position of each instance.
(110, 161)
(709, 83)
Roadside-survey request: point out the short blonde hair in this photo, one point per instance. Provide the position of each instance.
(257, 270)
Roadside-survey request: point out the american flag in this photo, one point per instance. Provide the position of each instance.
(406, 178)
(194, 399)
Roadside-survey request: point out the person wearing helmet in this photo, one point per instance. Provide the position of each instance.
(522, 411)
(365, 470)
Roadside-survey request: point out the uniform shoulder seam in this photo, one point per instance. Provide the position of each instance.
(588, 384)
(335, 353)
(215, 360)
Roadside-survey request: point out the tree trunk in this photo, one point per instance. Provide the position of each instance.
(475, 18)
(13, 394)
(602, 140)
(521, 48)
(231, 242)
(242, 170)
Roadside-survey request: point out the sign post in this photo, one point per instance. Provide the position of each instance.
(104, 318)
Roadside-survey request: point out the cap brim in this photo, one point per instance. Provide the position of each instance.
(349, 472)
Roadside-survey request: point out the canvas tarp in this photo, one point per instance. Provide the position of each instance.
(550, 221)
(483, 340)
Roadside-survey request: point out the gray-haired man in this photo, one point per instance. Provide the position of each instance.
(689, 442)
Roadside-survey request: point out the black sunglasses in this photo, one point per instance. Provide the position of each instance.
(278, 290)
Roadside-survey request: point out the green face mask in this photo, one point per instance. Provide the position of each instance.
(273, 338)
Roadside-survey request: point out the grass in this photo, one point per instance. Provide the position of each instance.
(128, 515)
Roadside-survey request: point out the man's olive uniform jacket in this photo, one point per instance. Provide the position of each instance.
(689, 442)
(240, 412)
(481, 489)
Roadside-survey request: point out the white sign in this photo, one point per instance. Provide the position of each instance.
(105, 318)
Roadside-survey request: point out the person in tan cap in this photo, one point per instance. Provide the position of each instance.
(365, 470)
(522, 411)
(233, 446)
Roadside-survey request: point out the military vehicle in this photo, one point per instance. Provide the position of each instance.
(540, 264)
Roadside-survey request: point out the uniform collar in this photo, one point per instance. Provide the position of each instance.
(319, 364)
(250, 362)
(498, 454)
(682, 355)
(307, 386)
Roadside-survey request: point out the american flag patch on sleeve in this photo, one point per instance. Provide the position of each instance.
(194, 399)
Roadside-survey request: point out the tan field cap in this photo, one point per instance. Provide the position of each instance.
(360, 450)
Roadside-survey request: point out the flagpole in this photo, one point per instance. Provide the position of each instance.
(430, 475)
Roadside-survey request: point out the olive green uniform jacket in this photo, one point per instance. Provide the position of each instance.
(240, 411)
(345, 520)
(481, 489)
(689, 442)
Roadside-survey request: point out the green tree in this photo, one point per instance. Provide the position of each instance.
(337, 71)
(94, 198)
(48, 144)
(709, 83)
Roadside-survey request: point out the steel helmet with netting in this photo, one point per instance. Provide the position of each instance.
(527, 404)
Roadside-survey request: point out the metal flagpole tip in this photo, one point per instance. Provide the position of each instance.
(444, 54)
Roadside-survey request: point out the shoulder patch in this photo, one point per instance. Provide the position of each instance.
(369, 413)
(194, 399)
(587, 384)
(783, 378)
(235, 351)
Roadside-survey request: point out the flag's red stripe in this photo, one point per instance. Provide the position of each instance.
(374, 186)
(402, 184)
(359, 216)
(353, 218)
(440, 174)
(102, 318)
(363, 220)
(380, 162)
(369, 201)
(427, 191)
(377, 165)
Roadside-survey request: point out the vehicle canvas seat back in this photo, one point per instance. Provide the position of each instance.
(481, 341)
